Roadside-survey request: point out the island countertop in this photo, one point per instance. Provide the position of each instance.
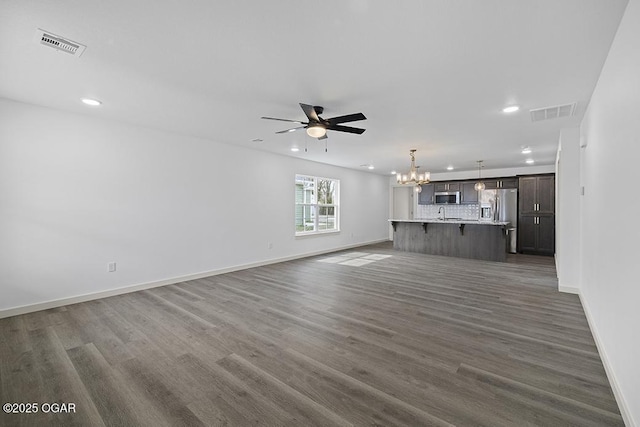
(451, 221)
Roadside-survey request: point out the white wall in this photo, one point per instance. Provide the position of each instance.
(78, 192)
(568, 211)
(610, 283)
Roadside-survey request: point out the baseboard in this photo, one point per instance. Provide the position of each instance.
(622, 403)
(569, 289)
(30, 308)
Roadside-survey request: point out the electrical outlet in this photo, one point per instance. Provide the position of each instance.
(112, 267)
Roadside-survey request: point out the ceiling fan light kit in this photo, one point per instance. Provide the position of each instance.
(316, 131)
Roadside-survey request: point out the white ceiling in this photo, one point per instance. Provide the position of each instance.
(432, 75)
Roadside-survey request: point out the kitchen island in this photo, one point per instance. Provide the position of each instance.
(451, 237)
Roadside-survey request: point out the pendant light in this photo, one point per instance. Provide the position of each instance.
(479, 185)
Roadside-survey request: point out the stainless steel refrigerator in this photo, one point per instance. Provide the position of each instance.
(502, 205)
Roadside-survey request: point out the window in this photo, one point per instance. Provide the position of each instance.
(317, 201)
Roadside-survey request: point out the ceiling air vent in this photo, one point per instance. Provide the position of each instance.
(554, 112)
(47, 38)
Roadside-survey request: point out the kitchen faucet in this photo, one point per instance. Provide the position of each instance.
(444, 214)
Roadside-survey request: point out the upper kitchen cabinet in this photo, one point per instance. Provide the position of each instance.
(546, 194)
(447, 186)
(425, 197)
(469, 193)
(497, 183)
(537, 195)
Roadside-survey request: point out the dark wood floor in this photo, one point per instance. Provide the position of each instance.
(340, 339)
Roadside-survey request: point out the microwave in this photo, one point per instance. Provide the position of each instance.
(447, 197)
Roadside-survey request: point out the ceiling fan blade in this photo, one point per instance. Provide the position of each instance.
(283, 120)
(291, 130)
(348, 118)
(310, 112)
(345, 129)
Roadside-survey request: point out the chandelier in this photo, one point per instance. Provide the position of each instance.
(413, 177)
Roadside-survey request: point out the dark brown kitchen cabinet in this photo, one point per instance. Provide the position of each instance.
(536, 219)
(446, 186)
(536, 234)
(546, 192)
(537, 195)
(497, 183)
(425, 197)
(546, 234)
(527, 233)
(527, 196)
(469, 193)
(440, 186)
(508, 182)
(490, 184)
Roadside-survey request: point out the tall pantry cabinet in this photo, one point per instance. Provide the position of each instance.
(536, 221)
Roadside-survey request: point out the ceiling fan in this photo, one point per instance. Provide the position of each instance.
(317, 127)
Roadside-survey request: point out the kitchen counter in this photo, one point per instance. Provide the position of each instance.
(457, 237)
(451, 221)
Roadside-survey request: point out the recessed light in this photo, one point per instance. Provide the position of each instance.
(295, 149)
(91, 102)
(393, 172)
(526, 150)
(529, 161)
(449, 168)
(510, 109)
(370, 167)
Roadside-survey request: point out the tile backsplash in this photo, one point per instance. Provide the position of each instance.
(451, 211)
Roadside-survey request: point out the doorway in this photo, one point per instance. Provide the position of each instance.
(402, 205)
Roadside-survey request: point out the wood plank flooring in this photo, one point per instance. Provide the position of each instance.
(410, 339)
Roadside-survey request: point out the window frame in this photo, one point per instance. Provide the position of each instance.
(315, 206)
